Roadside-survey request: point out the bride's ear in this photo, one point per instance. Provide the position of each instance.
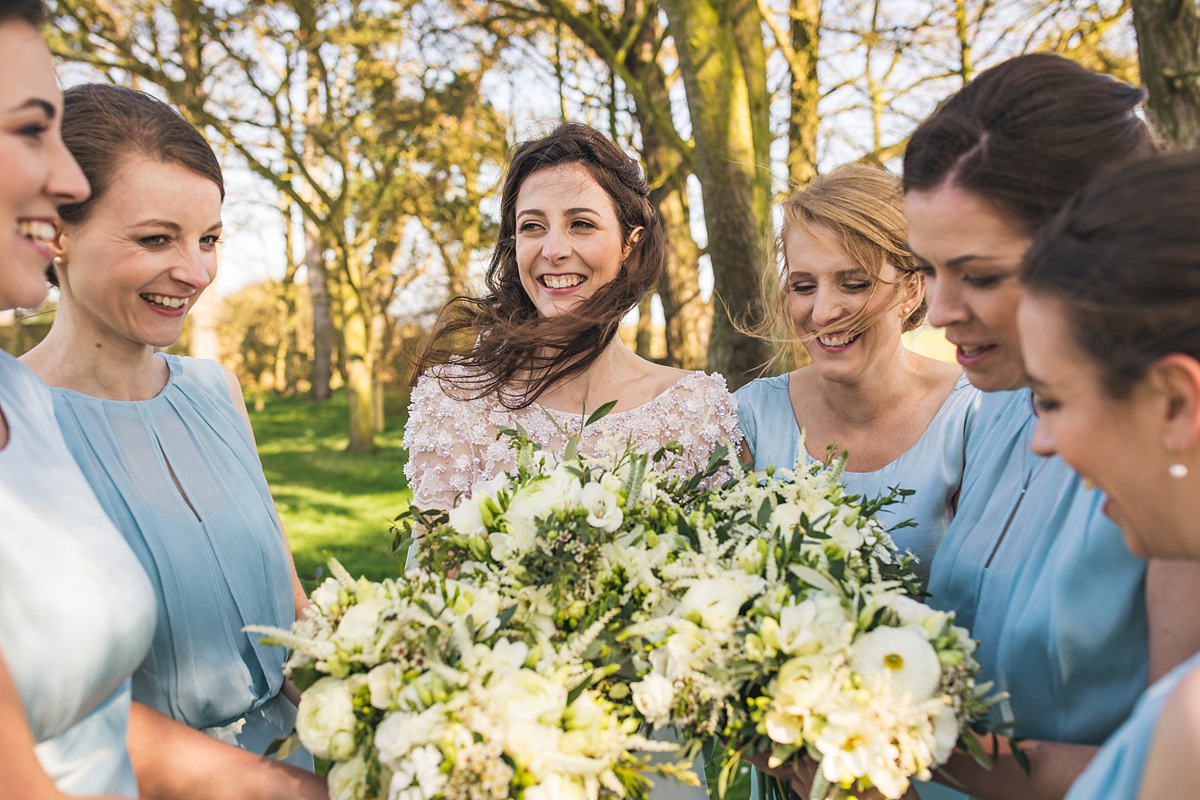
(1176, 377)
(634, 236)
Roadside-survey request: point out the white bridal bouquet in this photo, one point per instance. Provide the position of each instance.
(594, 597)
(420, 690)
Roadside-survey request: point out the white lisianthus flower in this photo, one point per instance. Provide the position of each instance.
(325, 596)
(529, 743)
(466, 518)
(504, 546)
(527, 696)
(601, 504)
(801, 684)
(509, 656)
(401, 732)
(359, 627)
(899, 658)
(654, 696)
(680, 652)
(558, 490)
(347, 780)
(844, 530)
(325, 720)
(715, 601)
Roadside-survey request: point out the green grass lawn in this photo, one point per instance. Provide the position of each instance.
(331, 500)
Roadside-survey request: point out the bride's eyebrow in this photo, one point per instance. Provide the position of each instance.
(35, 102)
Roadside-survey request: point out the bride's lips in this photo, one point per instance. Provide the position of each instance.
(561, 283)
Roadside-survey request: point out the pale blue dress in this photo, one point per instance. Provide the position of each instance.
(1044, 581)
(211, 546)
(1116, 771)
(933, 467)
(76, 608)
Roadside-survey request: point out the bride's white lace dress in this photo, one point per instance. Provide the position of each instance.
(452, 443)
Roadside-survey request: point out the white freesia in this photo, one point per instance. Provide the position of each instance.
(325, 720)
(786, 516)
(715, 601)
(347, 780)
(898, 658)
(654, 696)
(819, 622)
(844, 530)
(848, 743)
(602, 508)
(401, 731)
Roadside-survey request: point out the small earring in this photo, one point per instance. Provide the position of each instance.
(1178, 471)
(58, 260)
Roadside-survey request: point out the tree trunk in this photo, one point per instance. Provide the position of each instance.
(644, 338)
(359, 372)
(806, 92)
(727, 108)
(688, 318)
(1168, 34)
(322, 317)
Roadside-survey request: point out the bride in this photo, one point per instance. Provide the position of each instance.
(580, 245)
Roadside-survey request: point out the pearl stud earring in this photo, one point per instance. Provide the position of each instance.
(58, 260)
(1178, 471)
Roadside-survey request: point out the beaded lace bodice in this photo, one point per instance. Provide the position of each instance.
(452, 443)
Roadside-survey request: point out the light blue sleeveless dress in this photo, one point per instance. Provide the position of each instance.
(933, 467)
(76, 608)
(214, 551)
(1116, 771)
(1044, 581)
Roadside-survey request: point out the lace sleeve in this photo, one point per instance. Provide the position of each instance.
(444, 437)
(705, 415)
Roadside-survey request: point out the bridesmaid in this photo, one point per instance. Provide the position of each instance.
(76, 608)
(165, 441)
(1071, 624)
(847, 290)
(1110, 331)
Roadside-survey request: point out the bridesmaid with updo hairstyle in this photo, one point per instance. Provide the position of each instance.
(165, 441)
(1110, 332)
(1072, 626)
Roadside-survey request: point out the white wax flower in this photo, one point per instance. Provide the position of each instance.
(899, 658)
(325, 720)
(654, 696)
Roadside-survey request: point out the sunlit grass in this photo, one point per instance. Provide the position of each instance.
(331, 500)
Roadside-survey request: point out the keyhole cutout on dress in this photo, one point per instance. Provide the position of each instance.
(175, 479)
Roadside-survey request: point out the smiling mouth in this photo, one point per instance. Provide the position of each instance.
(36, 230)
(972, 350)
(561, 281)
(162, 301)
(839, 339)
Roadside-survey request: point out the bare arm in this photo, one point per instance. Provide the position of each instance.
(21, 774)
(175, 762)
(1170, 772)
(1172, 597)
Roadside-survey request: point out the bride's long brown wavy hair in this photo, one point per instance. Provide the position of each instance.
(501, 342)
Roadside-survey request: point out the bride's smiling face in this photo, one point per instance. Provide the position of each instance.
(568, 238)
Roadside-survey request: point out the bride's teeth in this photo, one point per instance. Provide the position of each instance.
(36, 229)
(561, 281)
(167, 302)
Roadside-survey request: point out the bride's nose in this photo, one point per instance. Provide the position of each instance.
(556, 247)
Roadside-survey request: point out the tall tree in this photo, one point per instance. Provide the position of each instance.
(1168, 33)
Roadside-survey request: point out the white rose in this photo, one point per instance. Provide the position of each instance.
(601, 505)
(801, 684)
(527, 696)
(400, 732)
(466, 518)
(359, 628)
(716, 601)
(900, 658)
(654, 696)
(325, 596)
(385, 682)
(325, 720)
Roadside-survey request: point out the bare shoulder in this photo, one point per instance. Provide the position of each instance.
(1170, 770)
(663, 377)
